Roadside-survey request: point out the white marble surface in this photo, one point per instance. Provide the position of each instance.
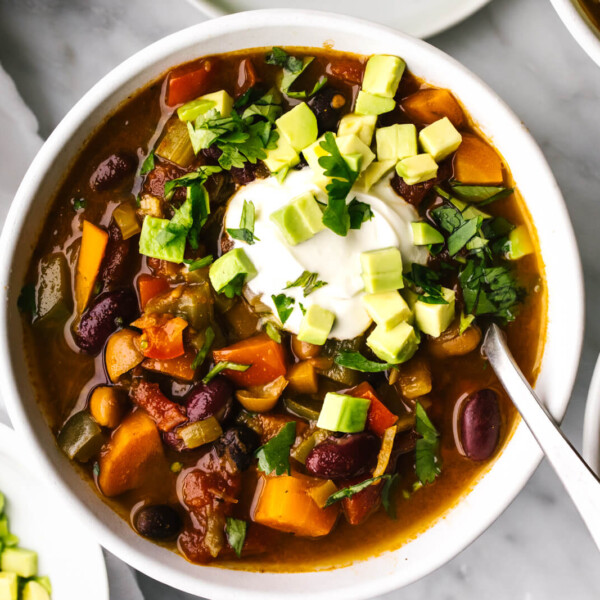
(538, 549)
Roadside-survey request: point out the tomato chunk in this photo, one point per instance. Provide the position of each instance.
(183, 87)
(379, 417)
(149, 287)
(166, 414)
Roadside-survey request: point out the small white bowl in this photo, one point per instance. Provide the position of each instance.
(580, 26)
(591, 422)
(492, 493)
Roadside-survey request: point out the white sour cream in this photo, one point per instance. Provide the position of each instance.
(336, 259)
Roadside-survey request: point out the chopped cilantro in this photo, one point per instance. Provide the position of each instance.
(284, 306)
(209, 338)
(267, 106)
(426, 282)
(79, 204)
(274, 456)
(199, 263)
(386, 495)
(235, 530)
(245, 233)
(353, 489)
(292, 67)
(222, 366)
(461, 236)
(309, 281)
(358, 362)
(148, 164)
(427, 460)
(273, 332)
(360, 212)
(480, 194)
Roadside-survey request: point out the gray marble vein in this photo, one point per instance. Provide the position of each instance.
(538, 549)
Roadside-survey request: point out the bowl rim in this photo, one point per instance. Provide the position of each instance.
(108, 86)
(580, 26)
(591, 422)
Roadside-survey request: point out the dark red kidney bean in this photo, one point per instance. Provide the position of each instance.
(341, 458)
(414, 194)
(213, 399)
(111, 171)
(154, 183)
(211, 154)
(159, 522)
(323, 104)
(106, 314)
(115, 264)
(480, 425)
(239, 443)
(245, 174)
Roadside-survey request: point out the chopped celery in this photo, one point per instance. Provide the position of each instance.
(127, 220)
(81, 437)
(200, 433)
(176, 146)
(304, 409)
(54, 299)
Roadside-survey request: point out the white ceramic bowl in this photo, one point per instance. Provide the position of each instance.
(580, 26)
(493, 492)
(591, 422)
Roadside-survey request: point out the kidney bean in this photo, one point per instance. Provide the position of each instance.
(159, 522)
(341, 458)
(480, 425)
(414, 194)
(154, 183)
(244, 175)
(213, 399)
(111, 171)
(115, 265)
(101, 318)
(239, 442)
(327, 105)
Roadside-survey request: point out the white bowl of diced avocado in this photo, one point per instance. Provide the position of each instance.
(44, 555)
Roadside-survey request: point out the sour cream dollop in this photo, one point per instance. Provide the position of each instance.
(334, 258)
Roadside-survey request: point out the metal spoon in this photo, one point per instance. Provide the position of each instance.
(579, 480)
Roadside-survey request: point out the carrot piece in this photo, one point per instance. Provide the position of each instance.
(122, 353)
(162, 337)
(149, 287)
(283, 503)
(349, 71)
(127, 460)
(247, 77)
(91, 253)
(427, 106)
(179, 368)
(166, 414)
(362, 504)
(266, 356)
(477, 163)
(379, 417)
(183, 87)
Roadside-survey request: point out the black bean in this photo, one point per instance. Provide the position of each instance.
(327, 104)
(111, 171)
(239, 442)
(159, 522)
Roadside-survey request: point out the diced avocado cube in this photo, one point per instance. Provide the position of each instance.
(299, 220)
(231, 265)
(80, 437)
(342, 413)
(312, 154)
(425, 235)
(20, 561)
(44, 581)
(440, 139)
(373, 173)
(371, 104)
(316, 325)
(9, 586)
(220, 101)
(54, 299)
(382, 270)
(4, 530)
(150, 246)
(352, 144)
(434, 319)
(282, 156)
(383, 74)
(2, 503)
(520, 243)
(34, 591)
(354, 161)
(299, 126)
(362, 126)
(387, 309)
(396, 345)
(417, 169)
(396, 142)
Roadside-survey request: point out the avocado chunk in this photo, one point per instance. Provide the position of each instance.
(150, 244)
(282, 156)
(316, 325)
(312, 154)
(362, 126)
(220, 101)
(417, 169)
(382, 270)
(373, 173)
(434, 319)
(34, 591)
(396, 142)
(371, 104)
(9, 586)
(299, 126)
(520, 244)
(349, 145)
(382, 75)
(440, 139)
(299, 220)
(424, 234)
(20, 561)
(54, 300)
(396, 345)
(343, 413)
(81, 437)
(234, 265)
(387, 309)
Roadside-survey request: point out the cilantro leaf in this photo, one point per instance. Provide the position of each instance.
(360, 212)
(426, 282)
(209, 338)
(281, 58)
(267, 106)
(222, 366)
(292, 67)
(235, 286)
(460, 236)
(358, 362)
(448, 217)
(148, 164)
(245, 232)
(480, 194)
(284, 306)
(235, 530)
(274, 456)
(273, 332)
(303, 94)
(427, 460)
(386, 495)
(309, 281)
(199, 263)
(353, 489)
(199, 176)
(79, 204)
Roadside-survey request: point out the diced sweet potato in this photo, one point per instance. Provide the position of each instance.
(362, 504)
(130, 454)
(179, 368)
(477, 163)
(427, 106)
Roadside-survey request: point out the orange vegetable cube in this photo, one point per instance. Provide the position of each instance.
(149, 287)
(477, 163)
(183, 87)
(179, 368)
(91, 253)
(303, 378)
(379, 417)
(428, 106)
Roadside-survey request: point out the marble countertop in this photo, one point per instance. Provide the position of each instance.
(538, 549)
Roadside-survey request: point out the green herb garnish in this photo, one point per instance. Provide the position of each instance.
(245, 233)
(148, 164)
(480, 194)
(273, 332)
(292, 67)
(284, 305)
(79, 204)
(309, 281)
(199, 263)
(386, 495)
(222, 366)
(427, 460)
(357, 362)
(353, 489)
(267, 106)
(274, 456)
(426, 282)
(235, 530)
(360, 212)
(209, 338)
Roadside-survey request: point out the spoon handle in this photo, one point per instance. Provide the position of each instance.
(579, 481)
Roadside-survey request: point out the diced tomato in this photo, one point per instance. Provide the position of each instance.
(183, 87)
(165, 414)
(362, 504)
(247, 77)
(149, 287)
(350, 71)
(379, 417)
(266, 357)
(162, 337)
